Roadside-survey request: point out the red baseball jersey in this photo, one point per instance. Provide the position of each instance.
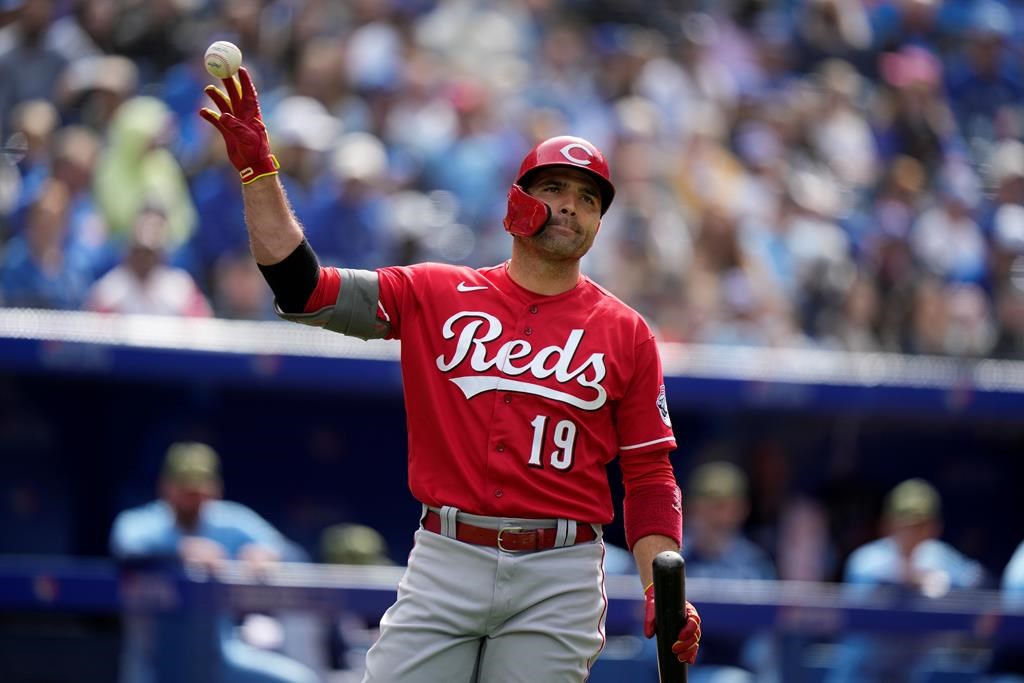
(517, 401)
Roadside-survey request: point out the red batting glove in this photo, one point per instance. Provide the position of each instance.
(241, 126)
(688, 641)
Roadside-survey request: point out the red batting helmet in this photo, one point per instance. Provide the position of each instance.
(526, 214)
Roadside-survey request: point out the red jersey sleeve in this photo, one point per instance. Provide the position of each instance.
(398, 287)
(642, 418)
(328, 284)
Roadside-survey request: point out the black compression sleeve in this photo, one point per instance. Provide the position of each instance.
(293, 279)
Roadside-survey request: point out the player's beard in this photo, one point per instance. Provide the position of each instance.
(563, 239)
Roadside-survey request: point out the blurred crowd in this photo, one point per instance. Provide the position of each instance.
(823, 173)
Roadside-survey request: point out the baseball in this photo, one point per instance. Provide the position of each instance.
(223, 59)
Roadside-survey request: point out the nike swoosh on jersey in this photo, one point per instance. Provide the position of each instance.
(463, 287)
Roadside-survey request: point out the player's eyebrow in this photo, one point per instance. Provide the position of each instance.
(562, 184)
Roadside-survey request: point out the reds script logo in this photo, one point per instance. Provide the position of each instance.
(482, 328)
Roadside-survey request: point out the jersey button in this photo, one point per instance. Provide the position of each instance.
(501, 448)
(528, 330)
(498, 493)
(533, 309)
(508, 399)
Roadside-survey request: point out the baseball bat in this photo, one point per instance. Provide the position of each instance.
(669, 594)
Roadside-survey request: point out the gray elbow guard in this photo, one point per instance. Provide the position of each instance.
(354, 313)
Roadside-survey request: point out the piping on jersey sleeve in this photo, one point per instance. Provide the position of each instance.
(647, 443)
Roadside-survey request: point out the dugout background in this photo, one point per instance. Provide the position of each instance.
(77, 448)
(312, 440)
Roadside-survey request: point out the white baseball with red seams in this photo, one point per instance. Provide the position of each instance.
(222, 59)
(515, 404)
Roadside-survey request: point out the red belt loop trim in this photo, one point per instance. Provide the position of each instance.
(510, 539)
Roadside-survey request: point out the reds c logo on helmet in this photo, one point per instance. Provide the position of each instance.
(526, 214)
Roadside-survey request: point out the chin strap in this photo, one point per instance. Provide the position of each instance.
(526, 214)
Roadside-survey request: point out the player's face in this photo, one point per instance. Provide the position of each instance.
(575, 202)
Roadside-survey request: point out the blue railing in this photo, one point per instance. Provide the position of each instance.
(741, 606)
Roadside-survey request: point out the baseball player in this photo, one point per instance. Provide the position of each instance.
(522, 381)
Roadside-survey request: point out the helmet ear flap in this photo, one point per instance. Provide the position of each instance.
(526, 214)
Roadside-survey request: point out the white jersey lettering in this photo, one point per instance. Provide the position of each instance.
(473, 341)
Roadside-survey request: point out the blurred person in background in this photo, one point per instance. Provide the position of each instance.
(144, 283)
(348, 212)
(154, 34)
(76, 150)
(320, 73)
(33, 124)
(925, 329)
(717, 505)
(946, 239)
(832, 28)
(92, 89)
(29, 68)
(907, 22)
(1008, 281)
(238, 291)
(885, 249)
(840, 132)
(136, 168)
(190, 524)
(911, 115)
(465, 166)
(87, 30)
(37, 270)
(645, 245)
(854, 326)
(1010, 311)
(218, 201)
(1004, 183)
(910, 558)
(984, 77)
(303, 132)
(971, 330)
(1008, 660)
(731, 294)
(349, 543)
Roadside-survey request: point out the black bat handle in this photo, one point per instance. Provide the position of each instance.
(669, 594)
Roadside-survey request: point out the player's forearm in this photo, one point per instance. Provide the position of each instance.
(274, 232)
(646, 549)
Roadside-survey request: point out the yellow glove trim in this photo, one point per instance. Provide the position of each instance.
(246, 181)
(261, 175)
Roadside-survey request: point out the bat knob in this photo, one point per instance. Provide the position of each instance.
(668, 561)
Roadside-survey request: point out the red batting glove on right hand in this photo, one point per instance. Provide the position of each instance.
(688, 641)
(241, 126)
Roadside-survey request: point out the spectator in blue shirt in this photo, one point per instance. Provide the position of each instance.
(190, 524)
(717, 505)
(911, 558)
(1009, 660)
(36, 268)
